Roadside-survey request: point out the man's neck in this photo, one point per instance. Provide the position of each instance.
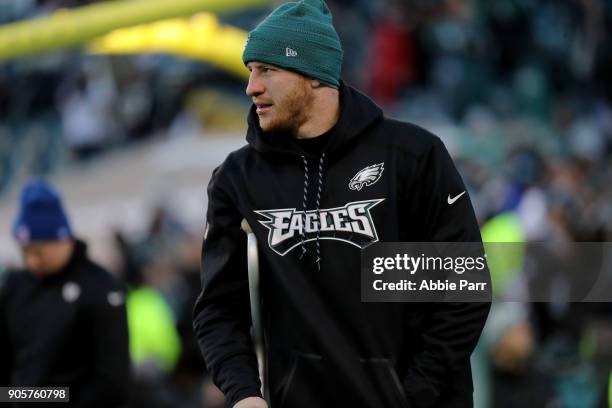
(323, 116)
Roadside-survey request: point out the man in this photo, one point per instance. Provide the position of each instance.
(62, 320)
(324, 175)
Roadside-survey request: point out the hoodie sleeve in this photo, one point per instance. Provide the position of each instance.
(452, 330)
(222, 312)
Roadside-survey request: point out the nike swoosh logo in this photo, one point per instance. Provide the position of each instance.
(452, 200)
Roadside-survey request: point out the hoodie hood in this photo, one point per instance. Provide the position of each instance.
(357, 112)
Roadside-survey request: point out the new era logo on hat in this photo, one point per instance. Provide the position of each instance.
(290, 52)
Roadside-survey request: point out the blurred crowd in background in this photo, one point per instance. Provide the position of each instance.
(519, 90)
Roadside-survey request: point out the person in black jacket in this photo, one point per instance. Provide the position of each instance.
(325, 174)
(63, 319)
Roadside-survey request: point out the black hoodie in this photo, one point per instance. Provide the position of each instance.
(324, 346)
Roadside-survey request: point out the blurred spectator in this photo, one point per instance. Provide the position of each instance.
(162, 270)
(87, 124)
(62, 318)
(392, 55)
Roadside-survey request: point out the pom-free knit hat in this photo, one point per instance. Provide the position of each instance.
(299, 37)
(41, 216)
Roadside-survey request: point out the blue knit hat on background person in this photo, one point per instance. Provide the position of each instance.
(300, 37)
(41, 216)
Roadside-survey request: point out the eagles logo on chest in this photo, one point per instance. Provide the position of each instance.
(367, 176)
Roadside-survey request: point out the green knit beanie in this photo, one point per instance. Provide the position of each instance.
(299, 37)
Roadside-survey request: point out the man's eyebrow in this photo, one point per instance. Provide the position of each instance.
(260, 65)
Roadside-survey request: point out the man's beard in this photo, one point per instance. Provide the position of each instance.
(289, 114)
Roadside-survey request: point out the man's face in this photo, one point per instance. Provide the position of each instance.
(283, 98)
(46, 258)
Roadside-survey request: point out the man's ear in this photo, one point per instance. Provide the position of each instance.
(315, 83)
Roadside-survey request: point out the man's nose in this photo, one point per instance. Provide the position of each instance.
(255, 86)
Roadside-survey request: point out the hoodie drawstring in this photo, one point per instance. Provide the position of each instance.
(318, 209)
(304, 201)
